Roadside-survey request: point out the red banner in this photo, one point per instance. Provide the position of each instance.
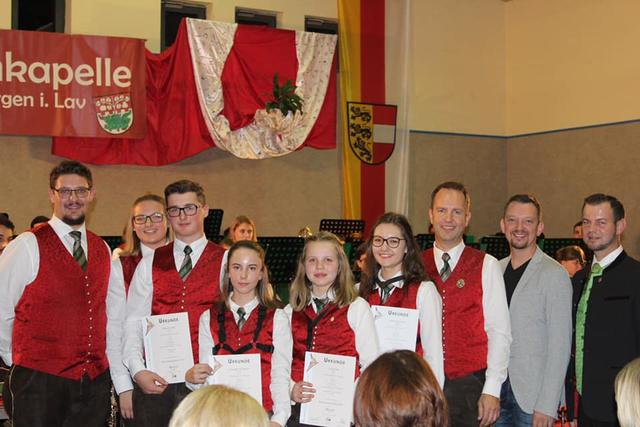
(71, 85)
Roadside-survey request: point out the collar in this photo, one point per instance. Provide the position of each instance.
(248, 307)
(397, 284)
(145, 251)
(196, 246)
(454, 253)
(604, 262)
(61, 228)
(331, 294)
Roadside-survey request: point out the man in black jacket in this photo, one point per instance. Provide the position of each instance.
(606, 311)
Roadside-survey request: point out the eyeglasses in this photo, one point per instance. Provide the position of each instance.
(154, 217)
(392, 242)
(66, 193)
(189, 210)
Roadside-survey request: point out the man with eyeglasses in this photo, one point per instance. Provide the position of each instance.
(476, 332)
(61, 303)
(183, 276)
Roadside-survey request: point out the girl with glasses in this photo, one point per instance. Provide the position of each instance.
(248, 320)
(393, 275)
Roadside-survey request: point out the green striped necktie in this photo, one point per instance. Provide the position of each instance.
(78, 252)
(186, 266)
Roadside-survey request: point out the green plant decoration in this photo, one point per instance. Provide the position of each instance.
(284, 97)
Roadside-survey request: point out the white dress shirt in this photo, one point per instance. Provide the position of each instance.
(608, 259)
(429, 306)
(360, 321)
(280, 359)
(140, 298)
(119, 373)
(497, 323)
(19, 266)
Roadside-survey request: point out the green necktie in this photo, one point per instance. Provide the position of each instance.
(581, 317)
(241, 317)
(186, 266)
(320, 303)
(78, 252)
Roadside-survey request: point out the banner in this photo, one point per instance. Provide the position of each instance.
(72, 85)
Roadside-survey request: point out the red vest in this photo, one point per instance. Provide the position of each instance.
(195, 295)
(61, 319)
(464, 340)
(256, 337)
(402, 298)
(129, 264)
(328, 332)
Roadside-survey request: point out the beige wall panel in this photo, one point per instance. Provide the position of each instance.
(5, 14)
(459, 67)
(480, 163)
(571, 63)
(282, 195)
(563, 168)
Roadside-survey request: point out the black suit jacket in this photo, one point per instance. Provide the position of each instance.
(612, 332)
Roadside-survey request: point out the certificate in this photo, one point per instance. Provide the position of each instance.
(333, 378)
(167, 345)
(239, 371)
(397, 328)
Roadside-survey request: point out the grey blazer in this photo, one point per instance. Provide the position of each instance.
(540, 312)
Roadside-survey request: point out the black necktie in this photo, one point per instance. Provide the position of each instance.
(241, 317)
(446, 268)
(386, 286)
(320, 303)
(78, 252)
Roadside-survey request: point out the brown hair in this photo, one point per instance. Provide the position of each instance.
(264, 290)
(185, 186)
(70, 167)
(243, 219)
(570, 253)
(399, 389)
(452, 185)
(412, 266)
(131, 240)
(344, 288)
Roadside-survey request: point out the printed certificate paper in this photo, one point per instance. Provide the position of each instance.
(167, 345)
(397, 328)
(239, 371)
(333, 378)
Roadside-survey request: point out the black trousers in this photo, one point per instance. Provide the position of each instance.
(44, 400)
(462, 396)
(155, 410)
(585, 421)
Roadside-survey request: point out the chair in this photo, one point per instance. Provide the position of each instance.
(212, 224)
(347, 229)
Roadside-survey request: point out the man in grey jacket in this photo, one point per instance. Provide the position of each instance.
(539, 295)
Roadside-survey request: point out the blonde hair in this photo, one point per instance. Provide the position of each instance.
(219, 406)
(243, 219)
(343, 287)
(264, 290)
(627, 387)
(131, 240)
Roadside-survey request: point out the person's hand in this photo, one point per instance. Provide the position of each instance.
(274, 424)
(198, 374)
(150, 382)
(488, 409)
(126, 404)
(302, 392)
(542, 420)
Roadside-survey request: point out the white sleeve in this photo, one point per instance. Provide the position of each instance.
(116, 314)
(281, 367)
(19, 264)
(361, 321)
(205, 344)
(138, 307)
(497, 325)
(429, 305)
(288, 311)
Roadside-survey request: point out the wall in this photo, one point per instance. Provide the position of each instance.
(5, 14)
(283, 194)
(571, 63)
(459, 66)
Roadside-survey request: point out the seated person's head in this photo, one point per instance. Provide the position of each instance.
(40, 219)
(243, 228)
(399, 389)
(577, 230)
(6, 231)
(628, 394)
(219, 406)
(572, 259)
